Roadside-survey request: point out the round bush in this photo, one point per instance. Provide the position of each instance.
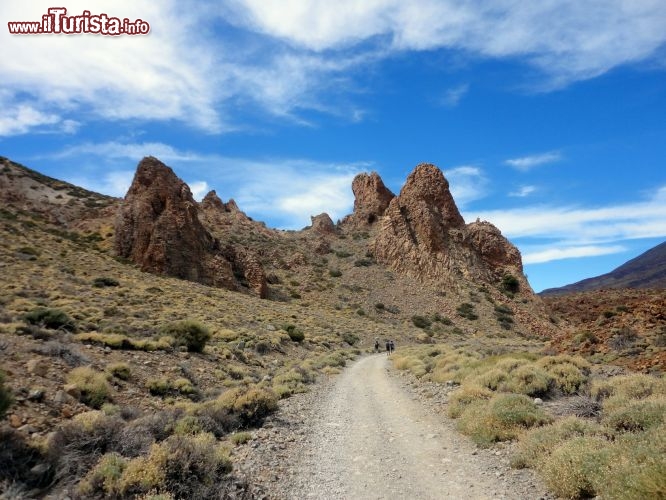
(54, 319)
(190, 334)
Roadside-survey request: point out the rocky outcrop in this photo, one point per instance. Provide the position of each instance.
(322, 224)
(212, 202)
(423, 234)
(371, 199)
(247, 265)
(158, 228)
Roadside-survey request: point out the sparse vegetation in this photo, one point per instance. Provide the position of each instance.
(54, 319)
(467, 311)
(421, 321)
(104, 281)
(191, 334)
(93, 386)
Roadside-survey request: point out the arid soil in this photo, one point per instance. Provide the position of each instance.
(371, 434)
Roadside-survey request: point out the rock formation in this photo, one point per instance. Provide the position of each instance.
(371, 199)
(423, 234)
(158, 228)
(322, 224)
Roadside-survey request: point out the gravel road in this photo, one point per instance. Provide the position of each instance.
(369, 435)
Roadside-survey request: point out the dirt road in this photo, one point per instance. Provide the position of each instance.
(374, 433)
(371, 439)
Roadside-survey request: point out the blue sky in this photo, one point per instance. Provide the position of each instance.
(548, 118)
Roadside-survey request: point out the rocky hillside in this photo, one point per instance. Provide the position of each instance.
(623, 326)
(648, 270)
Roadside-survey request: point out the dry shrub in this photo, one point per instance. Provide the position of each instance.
(411, 363)
(570, 373)
(502, 418)
(184, 466)
(637, 466)
(637, 415)
(492, 379)
(537, 444)
(529, 379)
(94, 388)
(121, 370)
(18, 459)
(103, 479)
(190, 334)
(465, 396)
(634, 386)
(77, 445)
(573, 469)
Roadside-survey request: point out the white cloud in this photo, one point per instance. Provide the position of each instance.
(113, 183)
(15, 120)
(165, 75)
(453, 96)
(467, 183)
(568, 40)
(551, 233)
(574, 252)
(526, 163)
(131, 151)
(523, 191)
(283, 192)
(199, 189)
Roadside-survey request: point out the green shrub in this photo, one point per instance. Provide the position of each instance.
(510, 283)
(465, 396)
(54, 319)
(573, 470)
(637, 416)
(636, 467)
(119, 370)
(94, 388)
(350, 338)
(529, 379)
(190, 334)
(6, 398)
(103, 479)
(335, 273)
(241, 437)
(538, 443)
(500, 419)
(294, 333)
(569, 373)
(467, 310)
(164, 386)
(104, 281)
(491, 379)
(421, 321)
(249, 406)
(634, 386)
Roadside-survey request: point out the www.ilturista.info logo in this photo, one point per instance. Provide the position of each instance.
(58, 22)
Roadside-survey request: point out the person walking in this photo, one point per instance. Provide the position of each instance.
(391, 346)
(377, 345)
(388, 348)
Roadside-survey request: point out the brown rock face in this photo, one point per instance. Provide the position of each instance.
(158, 228)
(424, 235)
(371, 199)
(247, 264)
(322, 224)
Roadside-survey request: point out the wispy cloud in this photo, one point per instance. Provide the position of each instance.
(567, 40)
(523, 191)
(284, 58)
(467, 183)
(284, 192)
(526, 163)
(132, 151)
(551, 232)
(574, 252)
(453, 96)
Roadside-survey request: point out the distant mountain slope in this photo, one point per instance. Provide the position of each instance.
(648, 270)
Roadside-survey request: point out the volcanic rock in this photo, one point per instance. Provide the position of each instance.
(371, 199)
(158, 228)
(322, 224)
(423, 234)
